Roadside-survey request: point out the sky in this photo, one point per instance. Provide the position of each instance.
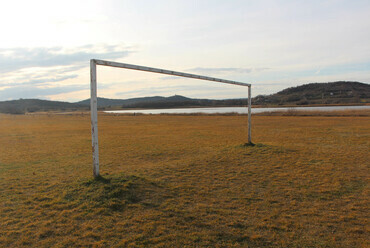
(46, 46)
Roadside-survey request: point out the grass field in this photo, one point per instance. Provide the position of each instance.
(185, 181)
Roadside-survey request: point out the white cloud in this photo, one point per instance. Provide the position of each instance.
(14, 59)
(271, 44)
(227, 70)
(43, 71)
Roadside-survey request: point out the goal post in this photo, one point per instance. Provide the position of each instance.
(94, 100)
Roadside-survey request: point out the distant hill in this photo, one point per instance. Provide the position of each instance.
(106, 102)
(162, 102)
(314, 93)
(22, 106)
(340, 92)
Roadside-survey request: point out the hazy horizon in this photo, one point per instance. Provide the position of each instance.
(46, 46)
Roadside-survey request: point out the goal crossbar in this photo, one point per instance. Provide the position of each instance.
(168, 72)
(94, 103)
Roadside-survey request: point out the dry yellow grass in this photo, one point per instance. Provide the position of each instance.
(184, 181)
(296, 112)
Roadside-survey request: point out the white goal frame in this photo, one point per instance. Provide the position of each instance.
(94, 101)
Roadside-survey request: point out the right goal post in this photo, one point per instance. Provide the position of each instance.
(94, 100)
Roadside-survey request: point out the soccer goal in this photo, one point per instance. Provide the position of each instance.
(94, 102)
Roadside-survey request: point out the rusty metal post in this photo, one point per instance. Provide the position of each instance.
(249, 114)
(94, 118)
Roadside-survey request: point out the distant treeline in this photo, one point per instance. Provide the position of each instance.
(310, 94)
(188, 103)
(318, 93)
(23, 106)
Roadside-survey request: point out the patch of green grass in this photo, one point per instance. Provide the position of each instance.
(7, 167)
(114, 192)
(98, 193)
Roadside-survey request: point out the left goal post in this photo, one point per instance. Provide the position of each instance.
(94, 100)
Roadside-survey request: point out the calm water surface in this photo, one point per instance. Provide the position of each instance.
(239, 110)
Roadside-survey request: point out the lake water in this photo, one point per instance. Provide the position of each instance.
(239, 110)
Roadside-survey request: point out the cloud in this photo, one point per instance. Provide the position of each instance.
(169, 78)
(38, 72)
(224, 70)
(219, 70)
(14, 59)
(37, 81)
(31, 91)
